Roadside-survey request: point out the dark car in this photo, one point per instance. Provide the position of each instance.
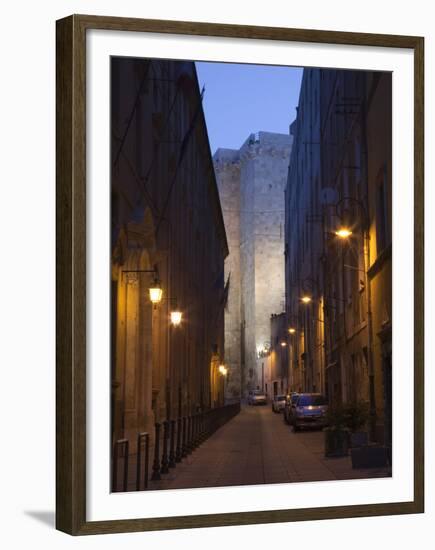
(290, 403)
(309, 411)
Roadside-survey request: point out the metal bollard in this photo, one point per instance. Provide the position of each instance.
(189, 434)
(184, 452)
(192, 433)
(196, 438)
(120, 445)
(145, 439)
(193, 436)
(165, 462)
(199, 434)
(179, 452)
(203, 434)
(172, 463)
(156, 463)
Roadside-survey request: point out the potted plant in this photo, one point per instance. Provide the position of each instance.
(357, 416)
(337, 432)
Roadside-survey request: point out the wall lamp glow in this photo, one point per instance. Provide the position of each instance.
(343, 233)
(223, 370)
(176, 317)
(155, 292)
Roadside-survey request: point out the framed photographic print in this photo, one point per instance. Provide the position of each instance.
(239, 275)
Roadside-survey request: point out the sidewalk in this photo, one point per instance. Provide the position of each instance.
(258, 447)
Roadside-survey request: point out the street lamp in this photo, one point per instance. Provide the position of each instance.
(176, 317)
(155, 292)
(343, 233)
(306, 299)
(292, 330)
(223, 370)
(283, 344)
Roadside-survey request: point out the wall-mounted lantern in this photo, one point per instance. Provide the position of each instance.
(223, 370)
(343, 233)
(155, 292)
(176, 317)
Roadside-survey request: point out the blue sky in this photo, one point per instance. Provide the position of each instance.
(243, 99)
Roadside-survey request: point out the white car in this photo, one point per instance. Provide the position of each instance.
(278, 403)
(257, 397)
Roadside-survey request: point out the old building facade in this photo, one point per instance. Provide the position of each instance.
(167, 225)
(338, 284)
(275, 363)
(251, 183)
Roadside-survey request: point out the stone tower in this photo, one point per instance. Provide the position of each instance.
(251, 184)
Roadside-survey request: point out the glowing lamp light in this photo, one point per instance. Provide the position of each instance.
(306, 299)
(223, 370)
(283, 344)
(343, 233)
(292, 330)
(176, 317)
(156, 293)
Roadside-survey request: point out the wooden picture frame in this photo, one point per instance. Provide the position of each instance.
(71, 273)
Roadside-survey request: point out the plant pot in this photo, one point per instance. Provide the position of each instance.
(358, 439)
(336, 442)
(371, 456)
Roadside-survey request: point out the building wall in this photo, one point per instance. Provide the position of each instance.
(343, 340)
(166, 216)
(379, 171)
(257, 249)
(227, 168)
(305, 242)
(276, 380)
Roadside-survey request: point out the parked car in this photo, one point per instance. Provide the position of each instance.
(257, 397)
(289, 406)
(278, 403)
(309, 411)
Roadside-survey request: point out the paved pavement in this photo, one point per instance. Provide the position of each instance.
(255, 447)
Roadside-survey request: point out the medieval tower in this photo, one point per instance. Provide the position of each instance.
(251, 184)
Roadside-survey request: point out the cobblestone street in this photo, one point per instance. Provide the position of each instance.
(258, 447)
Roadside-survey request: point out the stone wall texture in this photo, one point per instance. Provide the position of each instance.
(251, 184)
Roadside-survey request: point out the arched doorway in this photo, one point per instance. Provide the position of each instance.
(132, 330)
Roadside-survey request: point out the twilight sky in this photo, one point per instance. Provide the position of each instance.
(243, 99)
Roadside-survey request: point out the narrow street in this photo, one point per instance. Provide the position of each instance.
(258, 447)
